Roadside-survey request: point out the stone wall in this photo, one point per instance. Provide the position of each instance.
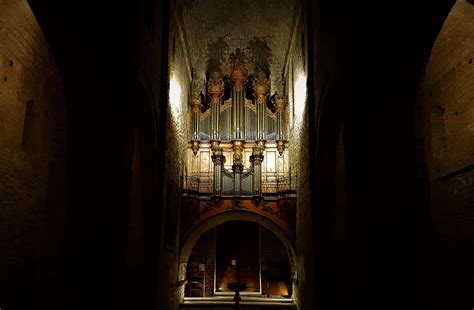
(446, 114)
(297, 119)
(31, 104)
(176, 145)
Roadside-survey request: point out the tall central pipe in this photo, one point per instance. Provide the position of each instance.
(238, 77)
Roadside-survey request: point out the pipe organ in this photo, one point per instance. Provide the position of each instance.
(237, 145)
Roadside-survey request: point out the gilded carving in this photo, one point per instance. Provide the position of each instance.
(260, 88)
(257, 154)
(215, 87)
(248, 104)
(238, 73)
(227, 105)
(280, 101)
(281, 147)
(196, 104)
(195, 146)
(270, 114)
(238, 147)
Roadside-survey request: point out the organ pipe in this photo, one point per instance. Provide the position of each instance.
(196, 111)
(238, 77)
(280, 110)
(260, 90)
(238, 106)
(215, 90)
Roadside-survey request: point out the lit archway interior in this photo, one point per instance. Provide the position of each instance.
(238, 251)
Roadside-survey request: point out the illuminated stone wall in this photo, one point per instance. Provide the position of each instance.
(296, 92)
(446, 125)
(176, 143)
(31, 104)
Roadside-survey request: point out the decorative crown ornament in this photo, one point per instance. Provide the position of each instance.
(238, 66)
(215, 87)
(280, 103)
(260, 87)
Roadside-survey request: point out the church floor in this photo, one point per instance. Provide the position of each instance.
(246, 303)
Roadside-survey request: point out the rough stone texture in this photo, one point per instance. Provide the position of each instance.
(297, 119)
(176, 142)
(447, 93)
(30, 100)
(204, 22)
(152, 248)
(446, 113)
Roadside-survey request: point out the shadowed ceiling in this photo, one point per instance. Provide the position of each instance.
(214, 29)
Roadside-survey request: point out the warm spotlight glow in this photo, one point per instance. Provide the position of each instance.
(300, 97)
(175, 98)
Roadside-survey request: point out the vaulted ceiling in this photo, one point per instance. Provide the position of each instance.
(214, 29)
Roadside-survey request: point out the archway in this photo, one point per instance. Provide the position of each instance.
(32, 161)
(445, 112)
(226, 217)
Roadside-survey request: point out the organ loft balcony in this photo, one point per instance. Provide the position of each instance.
(276, 180)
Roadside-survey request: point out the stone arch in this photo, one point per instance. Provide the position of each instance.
(445, 113)
(32, 159)
(236, 215)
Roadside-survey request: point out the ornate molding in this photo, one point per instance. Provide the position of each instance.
(205, 114)
(249, 104)
(227, 105)
(270, 114)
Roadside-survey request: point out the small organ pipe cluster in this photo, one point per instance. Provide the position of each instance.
(237, 122)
